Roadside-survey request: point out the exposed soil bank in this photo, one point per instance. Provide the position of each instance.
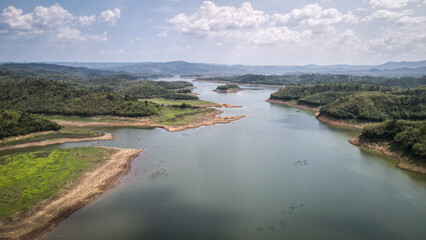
(205, 120)
(293, 104)
(106, 136)
(47, 214)
(337, 122)
(402, 163)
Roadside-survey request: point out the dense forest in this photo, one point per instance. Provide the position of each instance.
(137, 88)
(303, 79)
(48, 97)
(406, 136)
(13, 123)
(321, 94)
(378, 106)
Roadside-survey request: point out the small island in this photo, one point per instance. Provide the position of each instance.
(228, 88)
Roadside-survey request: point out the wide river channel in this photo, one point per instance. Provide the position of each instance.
(276, 174)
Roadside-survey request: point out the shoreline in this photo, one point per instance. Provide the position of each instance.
(208, 119)
(402, 163)
(50, 212)
(43, 143)
(339, 123)
(292, 104)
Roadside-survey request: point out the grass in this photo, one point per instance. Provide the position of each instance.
(191, 102)
(88, 119)
(63, 133)
(179, 116)
(28, 178)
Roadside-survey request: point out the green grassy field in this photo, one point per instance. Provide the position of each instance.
(179, 116)
(63, 133)
(27, 178)
(179, 102)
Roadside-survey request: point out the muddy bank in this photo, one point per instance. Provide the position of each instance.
(337, 122)
(47, 214)
(293, 104)
(402, 163)
(205, 120)
(106, 136)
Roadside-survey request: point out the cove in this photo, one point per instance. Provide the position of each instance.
(278, 173)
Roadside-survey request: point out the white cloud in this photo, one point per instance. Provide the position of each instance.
(407, 35)
(390, 3)
(386, 14)
(162, 34)
(210, 18)
(313, 15)
(54, 23)
(86, 20)
(256, 28)
(274, 35)
(110, 16)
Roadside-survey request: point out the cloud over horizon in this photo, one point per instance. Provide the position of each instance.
(53, 23)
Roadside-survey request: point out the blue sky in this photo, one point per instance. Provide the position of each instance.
(259, 32)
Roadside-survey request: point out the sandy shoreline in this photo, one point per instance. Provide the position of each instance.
(402, 163)
(106, 136)
(47, 214)
(208, 119)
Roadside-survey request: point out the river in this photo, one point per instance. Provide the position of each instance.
(276, 174)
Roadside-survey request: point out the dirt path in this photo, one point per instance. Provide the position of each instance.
(106, 136)
(402, 163)
(208, 119)
(49, 213)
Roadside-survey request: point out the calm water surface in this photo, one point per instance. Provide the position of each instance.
(276, 174)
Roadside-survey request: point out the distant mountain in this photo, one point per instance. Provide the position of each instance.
(158, 69)
(391, 69)
(177, 67)
(44, 69)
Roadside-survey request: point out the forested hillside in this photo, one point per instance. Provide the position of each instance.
(47, 97)
(378, 106)
(321, 94)
(406, 136)
(13, 123)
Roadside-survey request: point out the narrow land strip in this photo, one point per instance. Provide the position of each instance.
(106, 136)
(207, 119)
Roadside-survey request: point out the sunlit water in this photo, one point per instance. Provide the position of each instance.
(276, 174)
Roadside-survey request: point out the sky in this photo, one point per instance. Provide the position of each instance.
(252, 32)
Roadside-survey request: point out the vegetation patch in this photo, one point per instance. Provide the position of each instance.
(170, 102)
(14, 123)
(228, 88)
(28, 178)
(180, 115)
